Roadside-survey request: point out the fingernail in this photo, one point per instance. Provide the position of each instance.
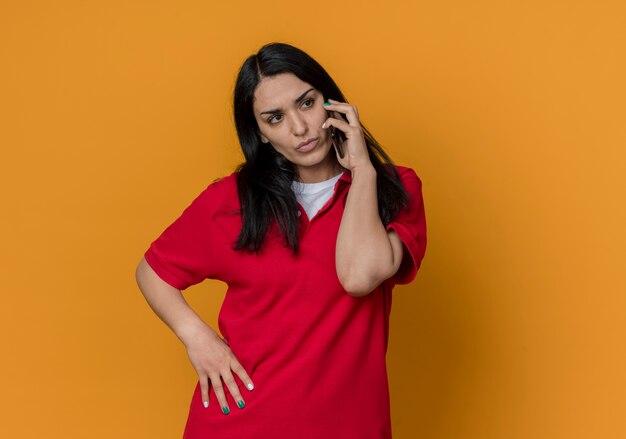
(324, 125)
(206, 404)
(250, 386)
(241, 404)
(225, 410)
(326, 104)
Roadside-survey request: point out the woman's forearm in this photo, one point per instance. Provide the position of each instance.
(364, 255)
(170, 305)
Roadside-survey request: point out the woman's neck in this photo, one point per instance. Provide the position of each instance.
(311, 175)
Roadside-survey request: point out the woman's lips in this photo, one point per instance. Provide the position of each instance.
(308, 146)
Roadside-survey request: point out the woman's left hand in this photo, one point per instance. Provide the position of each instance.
(354, 148)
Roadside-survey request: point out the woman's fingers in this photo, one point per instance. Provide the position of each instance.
(349, 111)
(337, 123)
(218, 388)
(241, 373)
(213, 359)
(204, 390)
(233, 388)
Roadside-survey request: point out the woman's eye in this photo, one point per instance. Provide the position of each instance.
(272, 118)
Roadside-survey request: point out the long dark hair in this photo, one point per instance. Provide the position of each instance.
(264, 179)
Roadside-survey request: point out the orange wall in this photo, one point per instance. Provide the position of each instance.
(114, 115)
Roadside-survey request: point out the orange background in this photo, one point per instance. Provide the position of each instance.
(114, 115)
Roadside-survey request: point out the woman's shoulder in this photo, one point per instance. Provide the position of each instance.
(224, 183)
(221, 191)
(405, 172)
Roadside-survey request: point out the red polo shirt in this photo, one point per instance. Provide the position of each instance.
(316, 354)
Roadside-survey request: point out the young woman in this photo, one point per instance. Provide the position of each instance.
(310, 233)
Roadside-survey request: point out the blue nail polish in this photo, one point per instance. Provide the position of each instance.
(326, 104)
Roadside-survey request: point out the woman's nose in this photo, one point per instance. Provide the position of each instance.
(298, 125)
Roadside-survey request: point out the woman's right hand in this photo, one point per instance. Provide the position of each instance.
(214, 360)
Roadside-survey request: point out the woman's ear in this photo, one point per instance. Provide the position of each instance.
(263, 138)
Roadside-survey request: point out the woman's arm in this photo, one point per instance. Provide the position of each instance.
(365, 254)
(209, 354)
(169, 304)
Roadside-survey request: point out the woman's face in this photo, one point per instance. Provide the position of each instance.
(288, 112)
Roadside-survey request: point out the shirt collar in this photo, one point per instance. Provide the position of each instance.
(346, 176)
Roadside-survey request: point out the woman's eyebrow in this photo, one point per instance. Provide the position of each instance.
(298, 99)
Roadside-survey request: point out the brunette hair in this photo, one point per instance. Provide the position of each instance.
(264, 179)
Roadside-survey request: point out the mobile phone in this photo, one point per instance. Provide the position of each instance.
(337, 135)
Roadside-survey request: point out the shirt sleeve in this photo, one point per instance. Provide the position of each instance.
(182, 254)
(410, 225)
